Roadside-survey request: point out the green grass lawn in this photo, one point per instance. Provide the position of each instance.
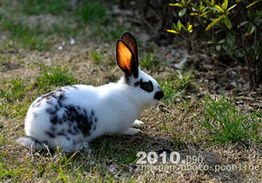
(205, 128)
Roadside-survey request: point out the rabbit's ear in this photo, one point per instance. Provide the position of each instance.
(130, 41)
(126, 59)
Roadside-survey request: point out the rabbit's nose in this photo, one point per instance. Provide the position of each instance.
(159, 95)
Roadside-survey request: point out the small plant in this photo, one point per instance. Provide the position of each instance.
(229, 125)
(96, 56)
(54, 77)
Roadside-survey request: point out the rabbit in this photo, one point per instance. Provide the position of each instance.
(70, 117)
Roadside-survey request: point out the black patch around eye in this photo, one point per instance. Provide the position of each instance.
(147, 86)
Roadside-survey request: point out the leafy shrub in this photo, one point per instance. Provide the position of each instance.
(231, 28)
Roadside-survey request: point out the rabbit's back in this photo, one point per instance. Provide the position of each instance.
(67, 113)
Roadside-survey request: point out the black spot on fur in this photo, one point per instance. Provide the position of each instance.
(54, 119)
(51, 110)
(147, 86)
(83, 121)
(58, 95)
(138, 82)
(53, 129)
(35, 115)
(50, 134)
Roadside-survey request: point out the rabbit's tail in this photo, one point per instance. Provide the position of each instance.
(31, 143)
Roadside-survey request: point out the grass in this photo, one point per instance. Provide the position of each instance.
(37, 7)
(53, 77)
(176, 84)
(15, 91)
(109, 32)
(96, 56)
(25, 37)
(148, 61)
(92, 12)
(229, 125)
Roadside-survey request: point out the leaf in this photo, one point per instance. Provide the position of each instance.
(194, 14)
(189, 28)
(219, 8)
(183, 3)
(214, 22)
(228, 22)
(203, 14)
(253, 3)
(231, 7)
(182, 12)
(172, 31)
(201, 7)
(225, 4)
(179, 25)
(212, 2)
(251, 28)
(176, 4)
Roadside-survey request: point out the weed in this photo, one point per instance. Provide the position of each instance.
(15, 90)
(26, 37)
(92, 12)
(177, 83)
(96, 56)
(37, 7)
(148, 61)
(227, 124)
(54, 77)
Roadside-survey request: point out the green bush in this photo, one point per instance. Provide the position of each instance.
(231, 28)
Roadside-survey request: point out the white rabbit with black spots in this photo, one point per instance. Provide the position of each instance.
(72, 116)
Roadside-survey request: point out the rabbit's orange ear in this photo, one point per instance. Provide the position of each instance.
(125, 59)
(130, 41)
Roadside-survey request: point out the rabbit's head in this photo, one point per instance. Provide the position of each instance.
(145, 89)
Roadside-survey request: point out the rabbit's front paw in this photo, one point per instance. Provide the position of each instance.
(131, 131)
(138, 123)
(82, 146)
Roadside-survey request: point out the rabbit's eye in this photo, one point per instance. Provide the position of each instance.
(147, 86)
